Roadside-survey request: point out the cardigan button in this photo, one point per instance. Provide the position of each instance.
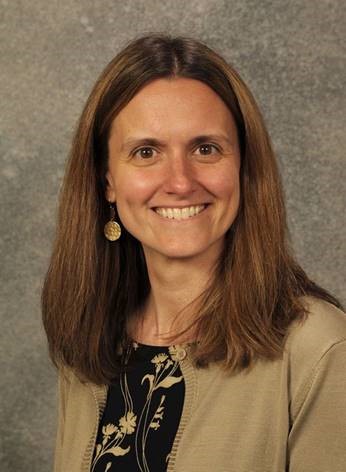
(180, 354)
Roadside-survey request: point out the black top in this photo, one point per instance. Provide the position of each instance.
(142, 413)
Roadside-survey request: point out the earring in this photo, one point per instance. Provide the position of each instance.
(112, 229)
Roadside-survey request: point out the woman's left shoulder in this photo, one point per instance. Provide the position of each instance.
(322, 330)
(324, 323)
(315, 356)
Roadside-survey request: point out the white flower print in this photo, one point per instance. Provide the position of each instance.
(128, 423)
(161, 376)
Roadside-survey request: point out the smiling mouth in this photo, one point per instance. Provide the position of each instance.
(180, 213)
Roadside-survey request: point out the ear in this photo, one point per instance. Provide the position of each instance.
(110, 188)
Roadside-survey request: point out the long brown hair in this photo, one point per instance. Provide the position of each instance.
(93, 286)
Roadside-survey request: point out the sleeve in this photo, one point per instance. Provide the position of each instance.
(317, 439)
(62, 398)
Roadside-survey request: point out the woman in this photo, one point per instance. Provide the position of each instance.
(186, 335)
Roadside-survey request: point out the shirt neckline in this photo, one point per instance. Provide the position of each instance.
(184, 345)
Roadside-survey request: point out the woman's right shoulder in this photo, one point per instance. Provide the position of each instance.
(68, 378)
(70, 381)
(71, 389)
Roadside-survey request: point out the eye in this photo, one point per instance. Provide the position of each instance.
(207, 149)
(144, 152)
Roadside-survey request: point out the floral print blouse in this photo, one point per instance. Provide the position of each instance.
(142, 413)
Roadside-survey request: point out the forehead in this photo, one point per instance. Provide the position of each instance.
(173, 106)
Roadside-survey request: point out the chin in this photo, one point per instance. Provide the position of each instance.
(182, 251)
(181, 254)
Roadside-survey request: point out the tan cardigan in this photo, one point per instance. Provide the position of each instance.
(283, 415)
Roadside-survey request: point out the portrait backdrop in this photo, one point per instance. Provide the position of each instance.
(292, 56)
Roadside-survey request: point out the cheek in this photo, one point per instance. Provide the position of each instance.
(133, 189)
(132, 199)
(226, 187)
(224, 183)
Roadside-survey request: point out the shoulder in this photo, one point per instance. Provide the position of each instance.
(323, 327)
(70, 386)
(315, 349)
(75, 390)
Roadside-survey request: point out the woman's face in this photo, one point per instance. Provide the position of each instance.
(173, 168)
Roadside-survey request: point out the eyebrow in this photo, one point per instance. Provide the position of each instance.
(148, 141)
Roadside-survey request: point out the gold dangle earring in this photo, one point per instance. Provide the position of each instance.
(112, 229)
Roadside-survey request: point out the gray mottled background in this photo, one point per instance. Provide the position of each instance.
(291, 53)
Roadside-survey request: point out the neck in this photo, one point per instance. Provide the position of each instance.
(170, 308)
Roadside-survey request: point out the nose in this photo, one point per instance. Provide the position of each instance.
(180, 175)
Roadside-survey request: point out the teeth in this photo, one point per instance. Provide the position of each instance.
(180, 213)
